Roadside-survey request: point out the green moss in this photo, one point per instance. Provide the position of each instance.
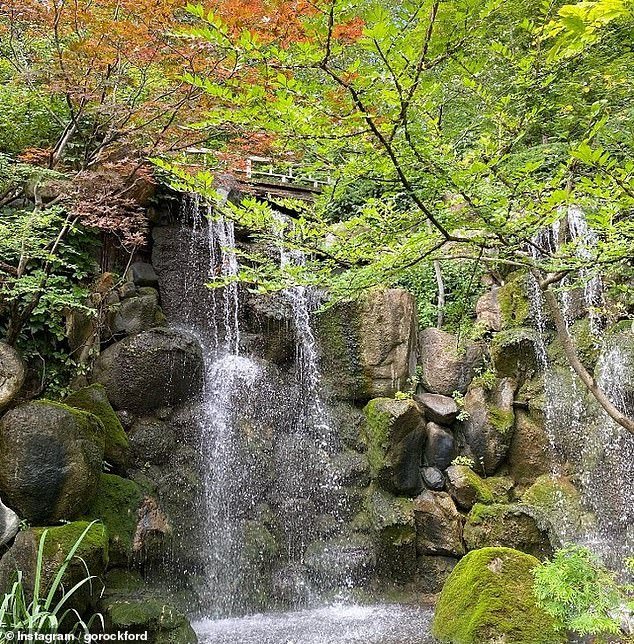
(122, 581)
(500, 487)
(377, 432)
(514, 302)
(93, 400)
(61, 539)
(483, 493)
(116, 505)
(513, 351)
(586, 344)
(89, 425)
(488, 597)
(502, 420)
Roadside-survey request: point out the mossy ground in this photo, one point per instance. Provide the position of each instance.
(488, 597)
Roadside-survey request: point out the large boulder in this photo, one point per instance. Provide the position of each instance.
(488, 311)
(139, 311)
(395, 438)
(437, 408)
(9, 524)
(518, 352)
(489, 598)
(156, 368)
(530, 452)
(51, 457)
(511, 526)
(444, 366)
(12, 374)
(90, 558)
(466, 487)
(438, 525)
(369, 346)
(488, 427)
(94, 400)
(440, 449)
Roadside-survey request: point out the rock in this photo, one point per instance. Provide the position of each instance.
(466, 487)
(437, 408)
(92, 554)
(273, 337)
(433, 478)
(513, 301)
(488, 311)
(9, 524)
(50, 460)
(94, 400)
(488, 428)
(143, 613)
(530, 453)
(515, 352)
(350, 468)
(587, 346)
(345, 559)
(556, 503)
(12, 374)
(395, 438)
(291, 585)
(432, 572)
(142, 274)
(151, 441)
(391, 519)
(489, 598)
(440, 448)
(505, 525)
(438, 525)
(444, 367)
(347, 423)
(156, 368)
(368, 347)
(116, 504)
(136, 313)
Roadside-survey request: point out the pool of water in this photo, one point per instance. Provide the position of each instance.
(337, 624)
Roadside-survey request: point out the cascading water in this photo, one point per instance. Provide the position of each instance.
(581, 434)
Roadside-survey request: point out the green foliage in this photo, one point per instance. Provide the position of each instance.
(464, 460)
(463, 414)
(46, 611)
(576, 590)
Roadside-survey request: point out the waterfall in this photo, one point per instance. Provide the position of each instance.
(264, 436)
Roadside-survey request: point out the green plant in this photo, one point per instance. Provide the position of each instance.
(47, 610)
(580, 593)
(485, 378)
(412, 382)
(463, 414)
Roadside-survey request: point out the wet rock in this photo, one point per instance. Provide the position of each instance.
(142, 274)
(350, 468)
(94, 400)
(529, 455)
(291, 584)
(12, 374)
(9, 524)
(444, 367)
(488, 311)
(347, 422)
(433, 478)
(438, 525)
(369, 346)
(440, 448)
(506, 525)
(50, 460)
(348, 559)
(432, 572)
(466, 487)
(395, 438)
(437, 408)
(156, 368)
(514, 352)
(136, 313)
(151, 441)
(269, 319)
(488, 428)
(489, 597)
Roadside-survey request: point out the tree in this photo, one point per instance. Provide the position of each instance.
(483, 123)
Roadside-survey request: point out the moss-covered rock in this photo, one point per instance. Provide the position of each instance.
(513, 301)
(51, 457)
(466, 487)
(507, 525)
(587, 346)
(514, 351)
(489, 598)
(116, 504)
(395, 438)
(94, 400)
(530, 453)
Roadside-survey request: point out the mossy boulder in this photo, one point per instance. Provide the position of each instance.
(515, 352)
(368, 346)
(395, 438)
(138, 614)
(467, 488)
(116, 504)
(555, 502)
(507, 525)
(488, 598)
(92, 554)
(513, 301)
(587, 346)
(94, 400)
(51, 456)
